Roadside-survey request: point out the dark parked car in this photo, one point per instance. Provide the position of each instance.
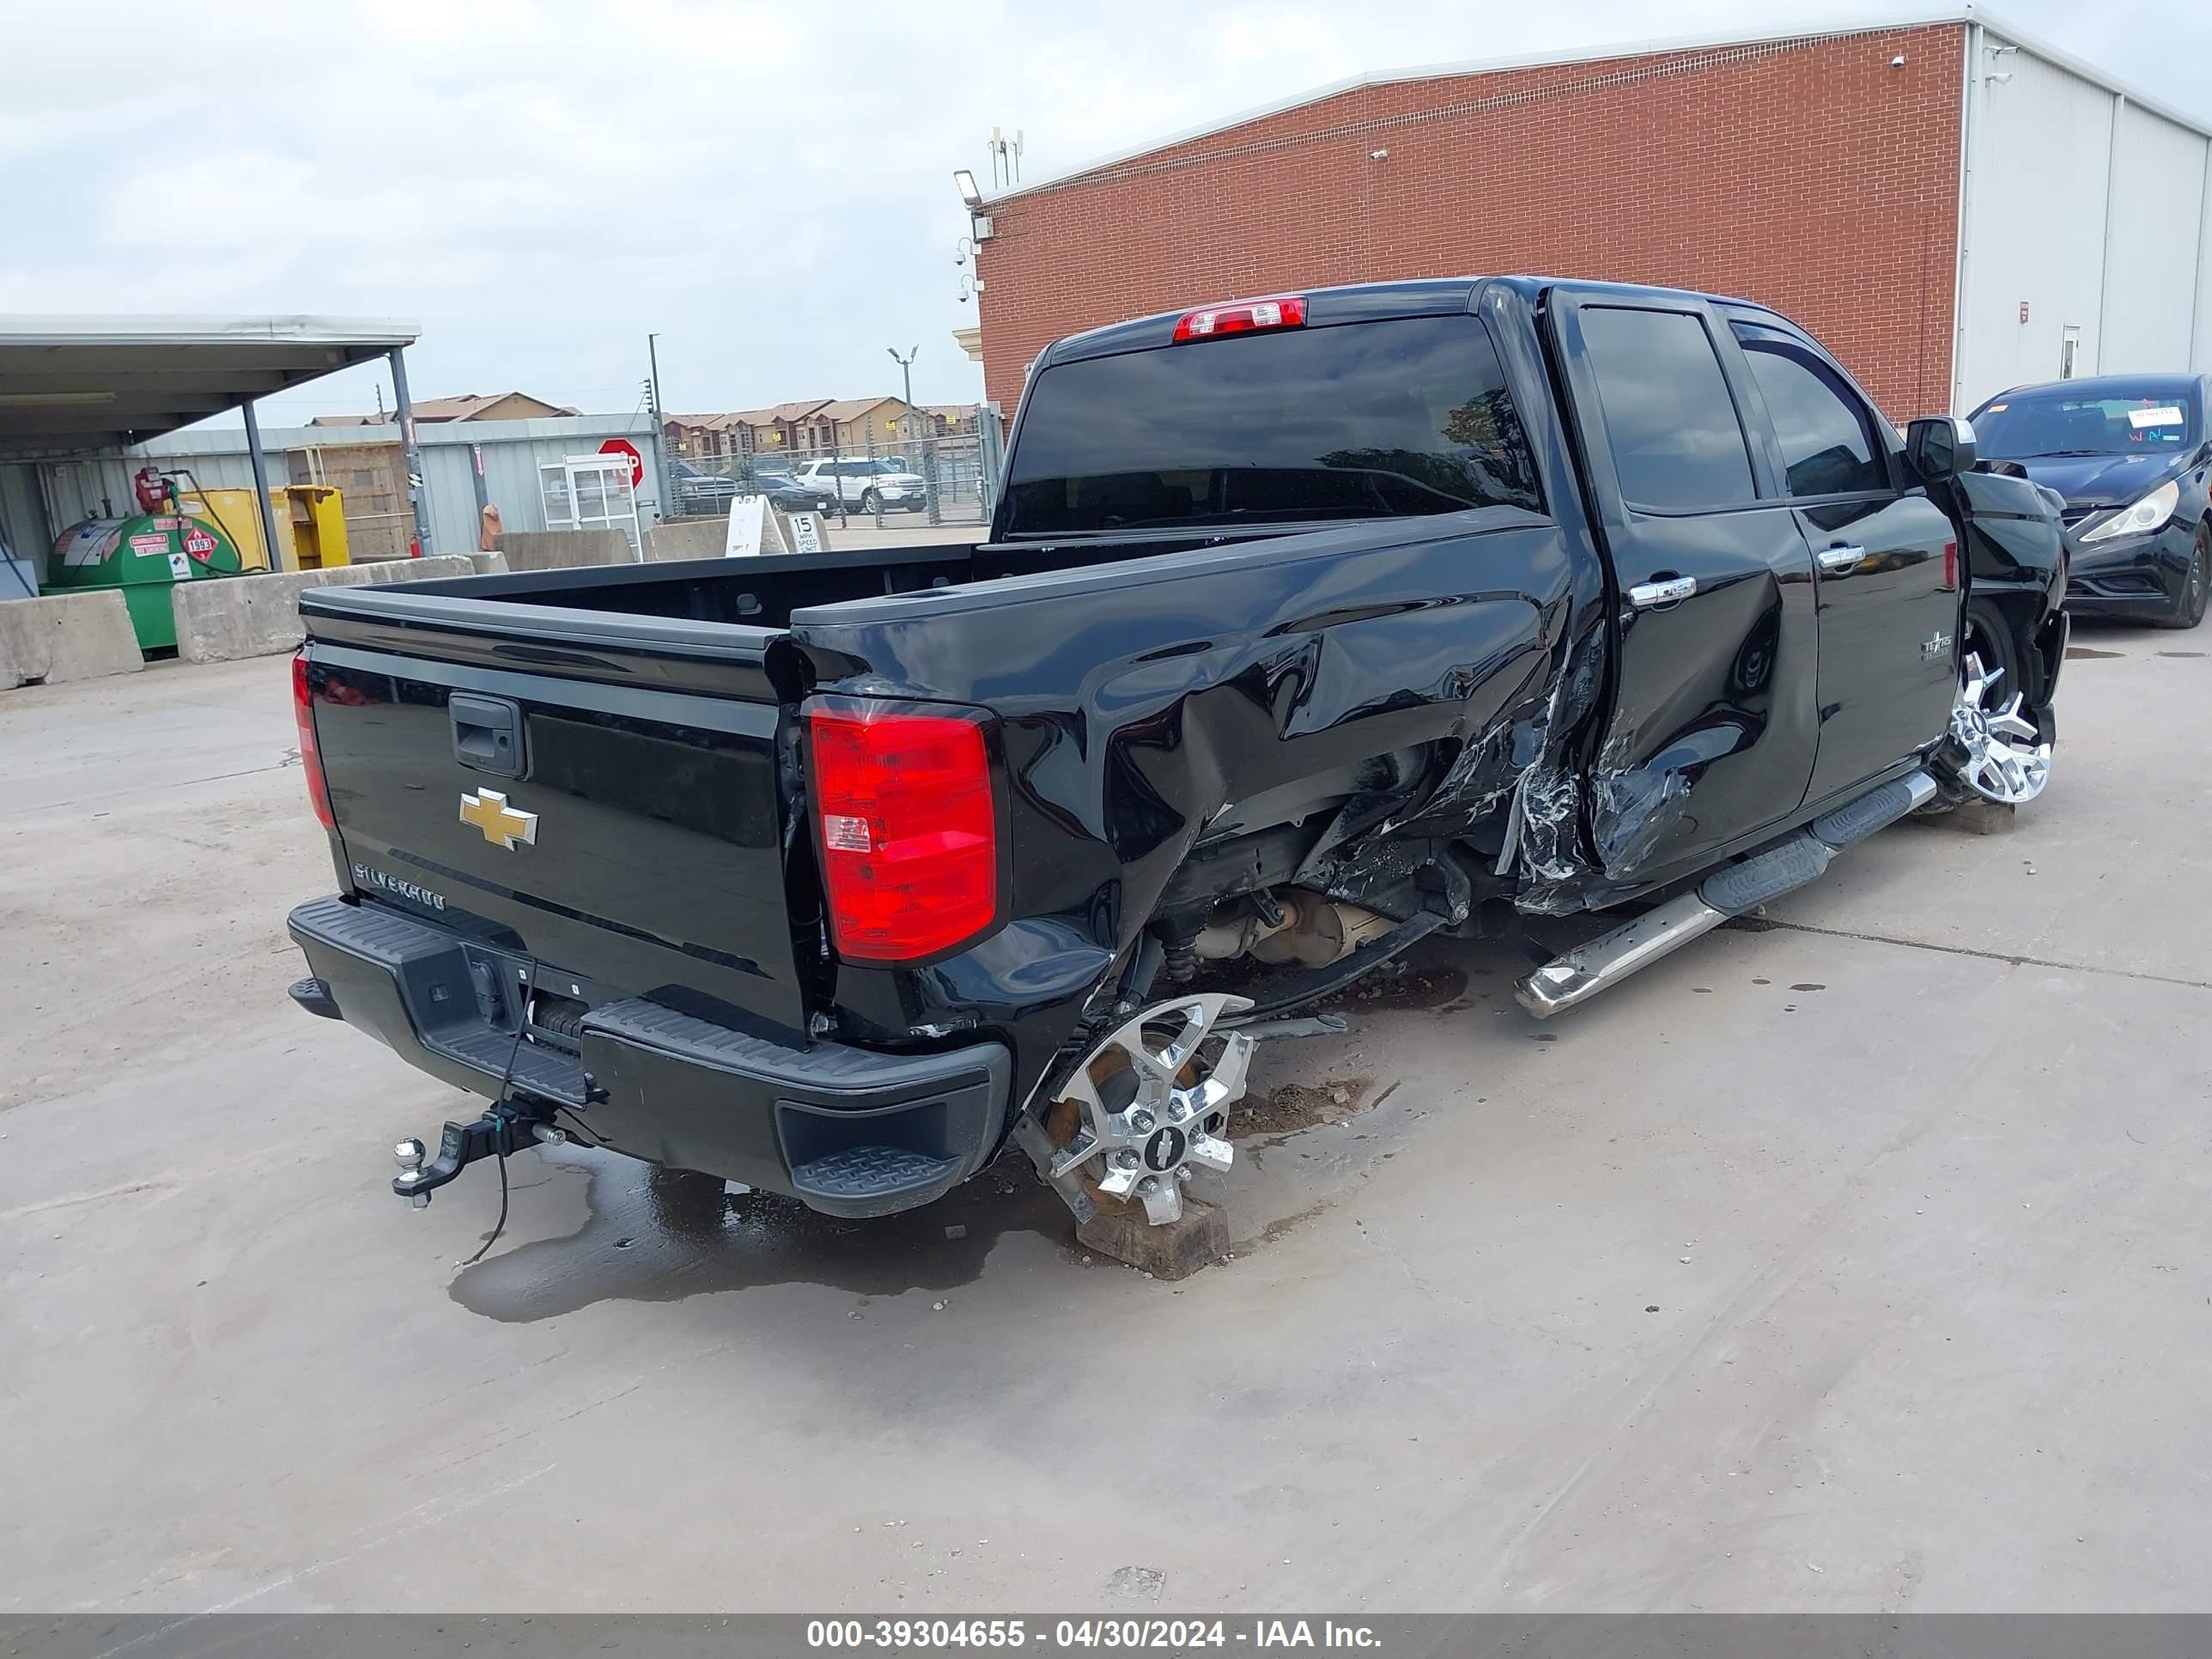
(1308, 627)
(793, 497)
(699, 493)
(2131, 455)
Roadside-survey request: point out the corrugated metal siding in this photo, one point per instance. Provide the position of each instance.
(513, 451)
(2090, 210)
(2150, 265)
(21, 524)
(2200, 352)
(89, 489)
(2036, 227)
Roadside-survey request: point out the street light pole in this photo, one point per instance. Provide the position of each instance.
(664, 474)
(906, 370)
(929, 448)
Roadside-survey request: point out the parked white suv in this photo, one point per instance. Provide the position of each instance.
(877, 485)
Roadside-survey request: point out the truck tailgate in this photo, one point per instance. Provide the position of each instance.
(627, 834)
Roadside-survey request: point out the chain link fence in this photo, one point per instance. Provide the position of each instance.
(950, 480)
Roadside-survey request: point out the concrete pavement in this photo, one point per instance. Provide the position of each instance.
(1859, 1262)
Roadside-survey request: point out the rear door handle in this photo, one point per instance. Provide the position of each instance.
(1841, 561)
(1646, 596)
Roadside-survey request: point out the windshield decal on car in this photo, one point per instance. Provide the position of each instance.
(2167, 415)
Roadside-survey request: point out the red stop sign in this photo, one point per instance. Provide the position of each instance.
(624, 446)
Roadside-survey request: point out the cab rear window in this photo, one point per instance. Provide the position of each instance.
(1371, 420)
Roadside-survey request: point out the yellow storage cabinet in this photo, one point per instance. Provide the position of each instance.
(317, 516)
(310, 529)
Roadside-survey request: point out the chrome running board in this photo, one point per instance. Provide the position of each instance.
(1578, 974)
(1582, 972)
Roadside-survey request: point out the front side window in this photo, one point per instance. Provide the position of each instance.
(1387, 419)
(1676, 440)
(1827, 442)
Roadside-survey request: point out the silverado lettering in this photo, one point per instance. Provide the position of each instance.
(364, 876)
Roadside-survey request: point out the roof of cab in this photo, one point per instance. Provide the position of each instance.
(1355, 302)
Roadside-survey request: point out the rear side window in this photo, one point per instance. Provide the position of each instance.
(1362, 421)
(1671, 427)
(1827, 443)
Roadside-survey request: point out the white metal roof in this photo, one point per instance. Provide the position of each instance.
(1876, 24)
(71, 384)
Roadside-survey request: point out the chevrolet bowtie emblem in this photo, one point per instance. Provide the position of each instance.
(502, 824)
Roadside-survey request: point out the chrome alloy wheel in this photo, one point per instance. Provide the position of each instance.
(1153, 1098)
(1994, 748)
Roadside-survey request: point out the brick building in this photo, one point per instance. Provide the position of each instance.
(1928, 198)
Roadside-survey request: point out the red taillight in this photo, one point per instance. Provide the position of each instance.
(1242, 317)
(311, 757)
(1950, 567)
(908, 830)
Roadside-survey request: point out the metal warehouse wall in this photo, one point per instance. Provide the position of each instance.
(2151, 253)
(1806, 173)
(513, 452)
(21, 519)
(2084, 208)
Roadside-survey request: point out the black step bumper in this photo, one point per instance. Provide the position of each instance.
(848, 1130)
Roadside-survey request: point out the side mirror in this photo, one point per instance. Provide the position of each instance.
(1940, 446)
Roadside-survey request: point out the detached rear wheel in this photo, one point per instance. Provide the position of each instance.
(1148, 1107)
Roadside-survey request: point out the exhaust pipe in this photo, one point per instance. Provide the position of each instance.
(1295, 928)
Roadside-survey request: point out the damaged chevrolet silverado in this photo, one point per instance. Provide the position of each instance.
(1307, 627)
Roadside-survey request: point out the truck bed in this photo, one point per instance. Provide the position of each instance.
(766, 591)
(704, 625)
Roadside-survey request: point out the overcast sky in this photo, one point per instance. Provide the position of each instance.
(766, 187)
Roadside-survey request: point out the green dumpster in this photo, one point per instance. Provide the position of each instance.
(145, 557)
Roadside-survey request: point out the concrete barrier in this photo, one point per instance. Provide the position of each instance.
(686, 539)
(259, 615)
(704, 538)
(563, 550)
(66, 636)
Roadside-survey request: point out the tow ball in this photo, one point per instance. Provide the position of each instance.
(499, 1132)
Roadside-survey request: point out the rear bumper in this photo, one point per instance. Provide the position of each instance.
(850, 1132)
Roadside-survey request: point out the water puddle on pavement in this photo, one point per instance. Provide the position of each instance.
(661, 1235)
(2075, 652)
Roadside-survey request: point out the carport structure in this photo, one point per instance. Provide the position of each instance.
(74, 386)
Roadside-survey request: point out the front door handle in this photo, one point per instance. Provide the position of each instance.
(1646, 596)
(1841, 561)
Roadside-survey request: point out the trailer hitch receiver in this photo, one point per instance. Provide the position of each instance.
(499, 1132)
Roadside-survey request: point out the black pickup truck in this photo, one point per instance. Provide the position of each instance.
(1307, 627)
